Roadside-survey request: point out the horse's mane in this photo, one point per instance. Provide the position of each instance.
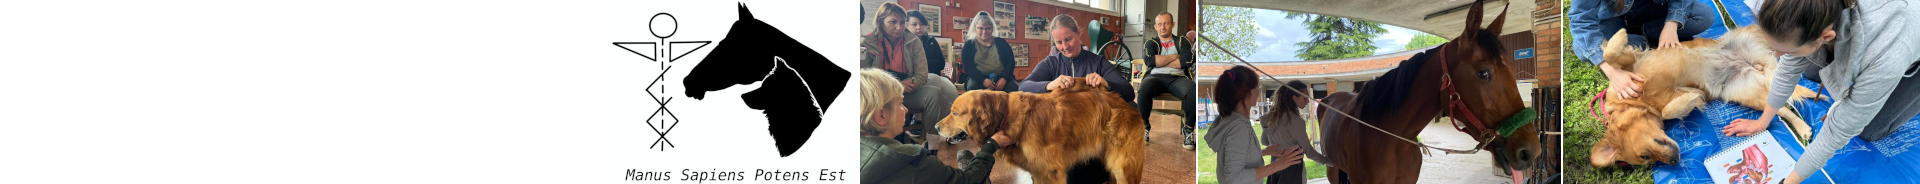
(1391, 89)
(1388, 90)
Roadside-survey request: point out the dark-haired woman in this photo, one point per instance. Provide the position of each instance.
(1231, 136)
(1285, 128)
(1861, 52)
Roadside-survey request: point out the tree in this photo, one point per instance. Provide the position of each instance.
(1424, 40)
(1335, 37)
(1231, 27)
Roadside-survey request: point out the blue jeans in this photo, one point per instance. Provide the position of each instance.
(1644, 28)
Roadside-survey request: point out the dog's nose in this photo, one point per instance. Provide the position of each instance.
(1673, 156)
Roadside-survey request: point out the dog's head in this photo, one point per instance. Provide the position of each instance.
(1634, 137)
(977, 114)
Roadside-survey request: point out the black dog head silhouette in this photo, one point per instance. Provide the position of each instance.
(796, 83)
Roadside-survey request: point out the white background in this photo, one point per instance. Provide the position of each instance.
(383, 92)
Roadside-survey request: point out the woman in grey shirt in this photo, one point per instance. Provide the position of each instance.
(1861, 51)
(1231, 137)
(1286, 128)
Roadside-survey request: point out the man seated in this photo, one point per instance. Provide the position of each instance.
(1168, 58)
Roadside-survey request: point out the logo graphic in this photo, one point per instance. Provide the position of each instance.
(662, 121)
(796, 83)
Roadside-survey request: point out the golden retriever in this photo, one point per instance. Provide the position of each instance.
(1737, 67)
(1052, 132)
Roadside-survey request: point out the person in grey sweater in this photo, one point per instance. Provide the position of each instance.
(1865, 54)
(1286, 128)
(1231, 137)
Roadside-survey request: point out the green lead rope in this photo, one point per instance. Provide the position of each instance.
(1513, 123)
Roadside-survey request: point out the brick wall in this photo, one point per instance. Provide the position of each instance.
(1546, 32)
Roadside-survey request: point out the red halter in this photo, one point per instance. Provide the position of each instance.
(1453, 98)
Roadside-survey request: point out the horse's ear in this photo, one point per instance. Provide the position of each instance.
(1473, 20)
(1499, 21)
(744, 14)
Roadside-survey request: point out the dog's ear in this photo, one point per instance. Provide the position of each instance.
(1602, 153)
(990, 107)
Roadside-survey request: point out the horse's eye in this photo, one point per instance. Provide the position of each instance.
(1484, 74)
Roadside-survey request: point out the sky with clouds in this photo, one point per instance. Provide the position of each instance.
(1278, 33)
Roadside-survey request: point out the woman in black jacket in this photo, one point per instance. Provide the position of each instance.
(986, 70)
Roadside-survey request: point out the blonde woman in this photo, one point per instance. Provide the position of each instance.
(884, 160)
(990, 69)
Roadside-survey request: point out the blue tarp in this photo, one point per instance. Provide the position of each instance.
(1698, 136)
(1888, 160)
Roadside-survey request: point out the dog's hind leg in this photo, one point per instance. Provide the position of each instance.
(1683, 103)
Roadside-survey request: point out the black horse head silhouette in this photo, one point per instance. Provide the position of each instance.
(796, 83)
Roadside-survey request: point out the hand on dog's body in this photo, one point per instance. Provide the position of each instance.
(1064, 82)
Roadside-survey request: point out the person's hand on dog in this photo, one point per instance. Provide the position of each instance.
(1622, 82)
(1001, 139)
(1669, 39)
(1062, 82)
(1095, 81)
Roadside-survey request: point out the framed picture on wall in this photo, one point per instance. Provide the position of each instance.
(1037, 28)
(961, 23)
(946, 47)
(1020, 56)
(1004, 19)
(933, 18)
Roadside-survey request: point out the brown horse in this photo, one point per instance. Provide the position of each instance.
(1402, 101)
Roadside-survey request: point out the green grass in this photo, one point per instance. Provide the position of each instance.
(1581, 80)
(1207, 161)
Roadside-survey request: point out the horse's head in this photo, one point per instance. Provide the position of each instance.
(1486, 84)
(748, 55)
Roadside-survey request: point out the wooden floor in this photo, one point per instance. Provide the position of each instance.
(1167, 161)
